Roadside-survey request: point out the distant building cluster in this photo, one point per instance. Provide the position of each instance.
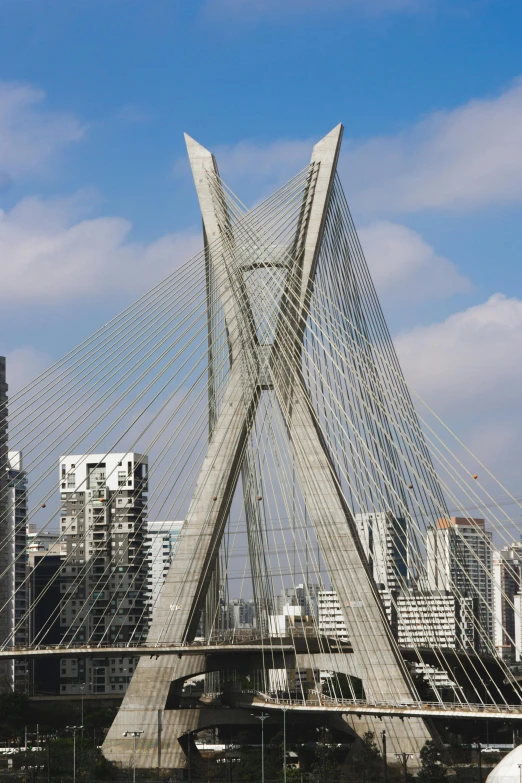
(93, 580)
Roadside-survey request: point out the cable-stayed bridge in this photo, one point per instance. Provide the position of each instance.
(256, 395)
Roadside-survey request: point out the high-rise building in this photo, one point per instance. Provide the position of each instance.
(384, 538)
(44, 585)
(5, 564)
(104, 583)
(460, 559)
(46, 554)
(507, 566)
(17, 516)
(301, 595)
(161, 541)
(13, 539)
(238, 614)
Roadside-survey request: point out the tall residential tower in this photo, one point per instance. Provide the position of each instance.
(104, 583)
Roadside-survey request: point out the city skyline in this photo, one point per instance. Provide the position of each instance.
(260, 422)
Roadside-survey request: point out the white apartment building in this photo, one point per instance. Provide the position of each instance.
(161, 540)
(104, 584)
(517, 601)
(331, 619)
(460, 558)
(507, 565)
(434, 619)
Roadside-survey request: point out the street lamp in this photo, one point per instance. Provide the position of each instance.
(262, 718)
(134, 735)
(385, 767)
(479, 751)
(189, 755)
(284, 743)
(74, 729)
(324, 754)
(404, 758)
(82, 689)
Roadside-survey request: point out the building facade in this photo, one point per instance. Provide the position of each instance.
(302, 595)
(507, 565)
(435, 619)
(238, 614)
(161, 543)
(103, 521)
(460, 559)
(330, 616)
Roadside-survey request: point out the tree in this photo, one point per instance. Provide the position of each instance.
(433, 764)
(14, 713)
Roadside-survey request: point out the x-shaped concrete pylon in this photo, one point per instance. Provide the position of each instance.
(177, 612)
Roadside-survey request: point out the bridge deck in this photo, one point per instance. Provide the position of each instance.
(143, 649)
(405, 710)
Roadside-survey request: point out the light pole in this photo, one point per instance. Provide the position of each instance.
(189, 755)
(74, 729)
(404, 757)
(284, 743)
(82, 689)
(134, 735)
(385, 767)
(479, 751)
(324, 754)
(262, 718)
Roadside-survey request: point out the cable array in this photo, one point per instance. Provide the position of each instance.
(230, 328)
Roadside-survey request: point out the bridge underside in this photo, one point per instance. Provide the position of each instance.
(167, 723)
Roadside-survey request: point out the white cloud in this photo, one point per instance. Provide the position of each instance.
(405, 267)
(470, 361)
(30, 134)
(469, 369)
(461, 159)
(46, 255)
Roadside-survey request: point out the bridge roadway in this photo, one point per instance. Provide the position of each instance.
(380, 709)
(118, 651)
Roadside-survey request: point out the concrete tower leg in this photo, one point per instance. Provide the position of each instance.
(155, 684)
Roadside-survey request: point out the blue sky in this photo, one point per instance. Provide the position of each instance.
(98, 202)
